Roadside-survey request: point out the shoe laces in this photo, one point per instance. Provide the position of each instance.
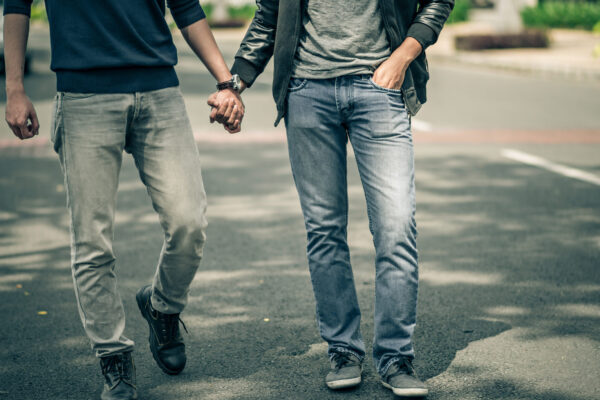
(169, 326)
(402, 367)
(116, 369)
(341, 359)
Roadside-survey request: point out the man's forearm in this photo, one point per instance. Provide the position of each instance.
(406, 52)
(16, 31)
(202, 42)
(227, 105)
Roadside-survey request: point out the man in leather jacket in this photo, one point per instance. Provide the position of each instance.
(351, 71)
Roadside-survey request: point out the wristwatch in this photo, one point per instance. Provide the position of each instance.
(234, 83)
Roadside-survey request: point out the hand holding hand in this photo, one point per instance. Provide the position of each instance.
(21, 116)
(227, 109)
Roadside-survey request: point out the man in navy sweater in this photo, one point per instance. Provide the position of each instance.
(117, 90)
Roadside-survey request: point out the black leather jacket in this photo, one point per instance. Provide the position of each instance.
(277, 25)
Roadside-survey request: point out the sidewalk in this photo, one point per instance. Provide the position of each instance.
(570, 53)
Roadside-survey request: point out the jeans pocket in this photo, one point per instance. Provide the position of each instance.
(296, 84)
(388, 90)
(56, 125)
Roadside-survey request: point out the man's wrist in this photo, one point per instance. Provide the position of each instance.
(223, 77)
(408, 51)
(401, 60)
(14, 88)
(230, 90)
(233, 83)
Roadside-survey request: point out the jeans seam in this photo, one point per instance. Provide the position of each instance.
(72, 229)
(351, 99)
(137, 105)
(317, 312)
(335, 94)
(57, 123)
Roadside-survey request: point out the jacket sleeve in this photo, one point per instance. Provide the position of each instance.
(185, 12)
(257, 47)
(427, 24)
(17, 7)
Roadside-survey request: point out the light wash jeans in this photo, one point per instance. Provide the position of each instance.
(321, 116)
(90, 132)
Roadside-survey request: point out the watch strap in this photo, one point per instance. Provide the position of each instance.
(225, 85)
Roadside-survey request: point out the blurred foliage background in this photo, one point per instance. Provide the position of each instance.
(243, 9)
(563, 14)
(38, 11)
(236, 10)
(574, 14)
(460, 13)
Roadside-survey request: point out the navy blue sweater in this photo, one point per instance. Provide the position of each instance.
(112, 46)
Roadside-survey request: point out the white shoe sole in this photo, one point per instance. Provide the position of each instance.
(343, 383)
(409, 392)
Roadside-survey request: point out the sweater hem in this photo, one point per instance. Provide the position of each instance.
(116, 80)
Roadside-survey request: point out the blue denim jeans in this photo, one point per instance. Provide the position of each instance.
(90, 132)
(321, 116)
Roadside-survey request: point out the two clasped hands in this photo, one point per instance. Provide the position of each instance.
(227, 108)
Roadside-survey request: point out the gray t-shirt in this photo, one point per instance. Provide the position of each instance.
(339, 38)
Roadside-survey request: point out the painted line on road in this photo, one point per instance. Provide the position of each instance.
(509, 137)
(540, 162)
(422, 126)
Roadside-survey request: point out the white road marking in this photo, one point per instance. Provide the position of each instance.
(422, 126)
(550, 166)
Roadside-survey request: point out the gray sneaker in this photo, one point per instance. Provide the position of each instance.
(402, 380)
(345, 371)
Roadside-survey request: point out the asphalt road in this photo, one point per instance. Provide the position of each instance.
(509, 302)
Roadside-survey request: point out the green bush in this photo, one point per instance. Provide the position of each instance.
(460, 12)
(562, 15)
(239, 12)
(243, 12)
(38, 11)
(208, 9)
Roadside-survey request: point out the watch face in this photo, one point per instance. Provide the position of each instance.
(235, 79)
(234, 83)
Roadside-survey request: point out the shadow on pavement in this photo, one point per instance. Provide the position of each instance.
(498, 252)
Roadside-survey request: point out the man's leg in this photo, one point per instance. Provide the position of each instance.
(89, 135)
(163, 146)
(317, 148)
(380, 134)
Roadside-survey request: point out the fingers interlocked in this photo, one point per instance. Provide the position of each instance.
(227, 109)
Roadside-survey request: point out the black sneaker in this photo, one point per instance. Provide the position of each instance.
(165, 339)
(345, 371)
(119, 376)
(402, 380)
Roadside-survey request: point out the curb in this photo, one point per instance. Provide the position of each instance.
(543, 69)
